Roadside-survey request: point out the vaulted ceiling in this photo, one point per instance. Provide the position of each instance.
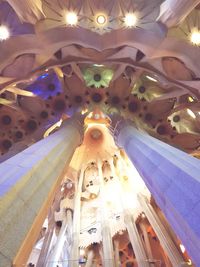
(139, 59)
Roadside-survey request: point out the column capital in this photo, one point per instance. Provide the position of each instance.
(76, 121)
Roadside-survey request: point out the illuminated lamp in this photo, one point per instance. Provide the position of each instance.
(71, 18)
(4, 33)
(195, 37)
(130, 20)
(101, 19)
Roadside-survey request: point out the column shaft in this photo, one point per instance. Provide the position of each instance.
(136, 241)
(172, 177)
(108, 255)
(90, 259)
(146, 241)
(130, 225)
(163, 236)
(48, 235)
(55, 256)
(117, 259)
(28, 182)
(173, 12)
(74, 255)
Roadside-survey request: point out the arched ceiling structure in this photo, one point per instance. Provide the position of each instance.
(61, 57)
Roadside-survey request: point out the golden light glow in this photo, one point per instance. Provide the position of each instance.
(151, 78)
(191, 113)
(182, 248)
(19, 91)
(195, 37)
(130, 20)
(101, 19)
(71, 18)
(53, 127)
(59, 72)
(4, 33)
(84, 111)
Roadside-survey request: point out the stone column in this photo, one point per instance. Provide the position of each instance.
(74, 255)
(48, 235)
(55, 256)
(134, 236)
(146, 240)
(135, 241)
(162, 234)
(90, 258)
(116, 249)
(28, 184)
(172, 177)
(108, 255)
(173, 12)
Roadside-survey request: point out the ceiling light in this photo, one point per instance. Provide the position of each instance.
(195, 37)
(130, 20)
(98, 65)
(4, 33)
(101, 19)
(191, 113)
(151, 78)
(71, 18)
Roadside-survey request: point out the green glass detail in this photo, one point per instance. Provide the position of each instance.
(97, 76)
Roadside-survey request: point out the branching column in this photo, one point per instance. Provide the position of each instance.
(146, 241)
(74, 255)
(46, 246)
(172, 12)
(108, 256)
(55, 256)
(172, 177)
(28, 183)
(135, 241)
(90, 258)
(116, 249)
(162, 234)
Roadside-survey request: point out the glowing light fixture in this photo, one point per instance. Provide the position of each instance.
(182, 248)
(101, 19)
(151, 79)
(195, 37)
(62, 189)
(4, 33)
(191, 113)
(71, 18)
(130, 20)
(98, 65)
